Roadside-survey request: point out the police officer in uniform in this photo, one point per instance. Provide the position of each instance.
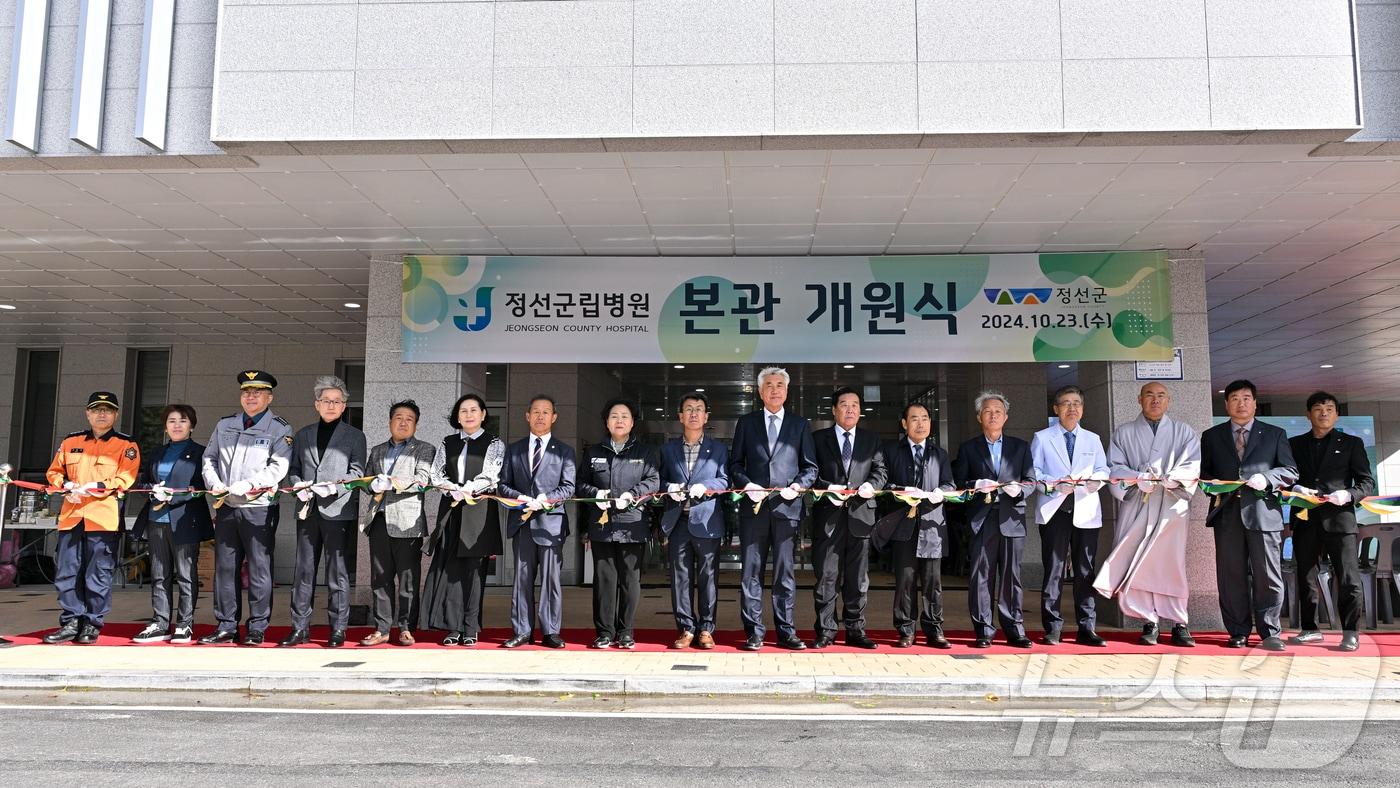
(90, 467)
(247, 457)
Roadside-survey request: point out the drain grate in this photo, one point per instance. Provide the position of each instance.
(342, 664)
(967, 656)
(690, 667)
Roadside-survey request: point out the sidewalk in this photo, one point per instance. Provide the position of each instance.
(1122, 673)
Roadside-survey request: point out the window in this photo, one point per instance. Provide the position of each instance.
(36, 387)
(148, 392)
(353, 373)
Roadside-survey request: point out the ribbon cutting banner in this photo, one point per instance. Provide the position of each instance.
(912, 497)
(1108, 306)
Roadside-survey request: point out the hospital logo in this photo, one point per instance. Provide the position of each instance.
(482, 316)
(1017, 295)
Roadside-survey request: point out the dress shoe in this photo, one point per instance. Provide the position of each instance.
(821, 642)
(754, 643)
(683, 640)
(859, 640)
(516, 641)
(63, 634)
(88, 635)
(706, 641)
(905, 641)
(1051, 638)
(935, 639)
(254, 638)
(1306, 636)
(406, 637)
(222, 636)
(602, 641)
(336, 640)
(553, 640)
(1149, 635)
(297, 637)
(1272, 644)
(380, 638)
(1088, 637)
(452, 639)
(1020, 641)
(1181, 637)
(982, 643)
(1349, 642)
(1237, 641)
(626, 642)
(791, 643)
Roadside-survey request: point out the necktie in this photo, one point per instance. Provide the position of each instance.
(1069, 445)
(535, 456)
(1239, 442)
(846, 451)
(919, 462)
(247, 421)
(772, 432)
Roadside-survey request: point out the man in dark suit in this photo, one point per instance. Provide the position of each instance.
(771, 450)
(848, 460)
(1335, 466)
(919, 467)
(539, 470)
(1248, 527)
(692, 467)
(999, 469)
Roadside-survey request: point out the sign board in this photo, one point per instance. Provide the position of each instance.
(1161, 370)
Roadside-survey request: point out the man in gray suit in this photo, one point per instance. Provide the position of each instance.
(539, 471)
(395, 522)
(324, 455)
(1248, 523)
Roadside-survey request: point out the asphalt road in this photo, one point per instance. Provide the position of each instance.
(120, 744)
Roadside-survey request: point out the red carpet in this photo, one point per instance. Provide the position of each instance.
(1380, 644)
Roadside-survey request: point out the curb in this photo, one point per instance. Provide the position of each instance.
(498, 684)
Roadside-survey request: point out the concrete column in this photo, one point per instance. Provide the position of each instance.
(1110, 392)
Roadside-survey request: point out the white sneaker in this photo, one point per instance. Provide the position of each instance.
(182, 635)
(153, 633)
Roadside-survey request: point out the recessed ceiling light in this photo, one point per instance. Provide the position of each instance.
(848, 366)
(1326, 366)
(351, 305)
(7, 306)
(658, 410)
(700, 389)
(1220, 391)
(678, 366)
(1064, 366)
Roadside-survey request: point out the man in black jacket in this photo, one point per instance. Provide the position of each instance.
(1332, 465)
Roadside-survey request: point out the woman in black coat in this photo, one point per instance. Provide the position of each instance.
(623, 469)
(174, 524)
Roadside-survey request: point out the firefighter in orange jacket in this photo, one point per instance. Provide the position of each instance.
(91, 467)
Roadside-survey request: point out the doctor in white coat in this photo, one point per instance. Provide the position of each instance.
(1071, 465)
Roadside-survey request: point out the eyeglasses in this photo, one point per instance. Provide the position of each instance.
(689, 411)
(332, 402)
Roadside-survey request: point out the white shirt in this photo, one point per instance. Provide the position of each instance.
(768, 419)
(462, 458)
(530, 452)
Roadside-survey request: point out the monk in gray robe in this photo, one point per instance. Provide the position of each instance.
(1154, 462)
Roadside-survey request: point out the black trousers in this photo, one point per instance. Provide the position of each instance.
(617, 586)
(315, 536)
(995, 580)
(1248, 576)
(172, 565)
(909, 572)
(244, 533)
(395, 566)
(1310, 543)
(845, 558)
(694, 582)
(83, 576)
(1062, 545)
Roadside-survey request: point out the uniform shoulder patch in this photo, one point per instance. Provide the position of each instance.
(121, 435)
(76, 434)
(288, 439)
(281, 420)
(130, 453)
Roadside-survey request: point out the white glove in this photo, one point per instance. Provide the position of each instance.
(1093, 485)
(698, 490)
(866, 490)
(1339, 497)
(604, 503)
(984, 485)
(326, 489)
(457, 493)
(219, 489)
(1170, 484)
(162, 493)
(535, 504)
(837, 497)
(755, 492)
(1301, 490)
(381, 484)
(240, 488)
(90, 488)
(69, 486)
(70, 492)
(1146, 485)
(790, 492)
(477, 486)
(1257, 482)
(674, 490)
(915, 492)
(305, 494)
(624, 500)
(1064, 488)
(1013, 489)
